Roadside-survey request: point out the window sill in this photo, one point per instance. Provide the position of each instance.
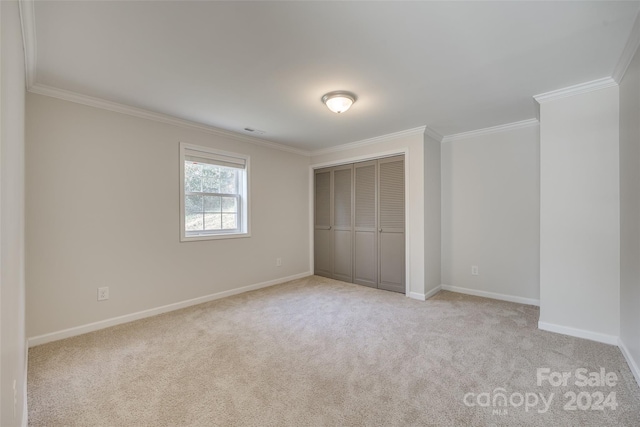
(196, 238)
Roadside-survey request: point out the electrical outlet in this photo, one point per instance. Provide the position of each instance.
(278, 262)
(103, 293)
(474, 270)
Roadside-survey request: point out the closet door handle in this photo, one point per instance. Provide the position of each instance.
(380, 230)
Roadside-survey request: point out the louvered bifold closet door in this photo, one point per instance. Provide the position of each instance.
(343, 223)
(365, 220)
(323, 234)
(391, 223)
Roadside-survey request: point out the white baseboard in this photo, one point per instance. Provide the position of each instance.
(632, 363)
(95, 326)
(416, 295)
(424, 297)
(493, 295)
(432, 292)
(579, 333)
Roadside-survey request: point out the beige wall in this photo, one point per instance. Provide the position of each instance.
(103, 210)
(432, 215)
(490, 214)
(580, 215)
(12, 286)
(630, 213)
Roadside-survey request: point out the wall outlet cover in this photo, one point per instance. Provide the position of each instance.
(103, 293)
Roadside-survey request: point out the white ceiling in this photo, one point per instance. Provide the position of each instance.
(452, 66)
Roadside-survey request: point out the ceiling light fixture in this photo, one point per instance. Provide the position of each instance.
(339, 101)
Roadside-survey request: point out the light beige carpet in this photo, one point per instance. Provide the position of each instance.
(318, 352)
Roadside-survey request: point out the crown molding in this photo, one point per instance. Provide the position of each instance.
(630, 49)
(433, 134)
(575, 90)
(157, 117)
(491, 130)
(370, 141)
(28, 23)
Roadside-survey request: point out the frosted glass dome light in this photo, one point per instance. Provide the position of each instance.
(339, 101)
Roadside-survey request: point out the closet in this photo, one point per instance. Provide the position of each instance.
(359, 228)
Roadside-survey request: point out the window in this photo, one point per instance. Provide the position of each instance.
(213, 194)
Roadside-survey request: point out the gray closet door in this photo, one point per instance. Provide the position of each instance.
(391, 246)
(365, 232)
(323, 235)
(343, 223)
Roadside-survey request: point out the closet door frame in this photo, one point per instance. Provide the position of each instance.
(404, 151)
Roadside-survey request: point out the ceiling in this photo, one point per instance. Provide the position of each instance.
(450, 66)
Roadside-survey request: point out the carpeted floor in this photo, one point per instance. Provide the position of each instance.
(318, 352)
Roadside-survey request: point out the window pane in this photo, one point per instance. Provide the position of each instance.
(211, 180)
(229, 204)
(209, 170)
(229, 221)
(193, 204)
(192, 176)
(194, 222)
(212, 204)
(228, 181)
(212, 221)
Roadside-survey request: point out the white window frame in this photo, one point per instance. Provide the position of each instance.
(244, 221)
